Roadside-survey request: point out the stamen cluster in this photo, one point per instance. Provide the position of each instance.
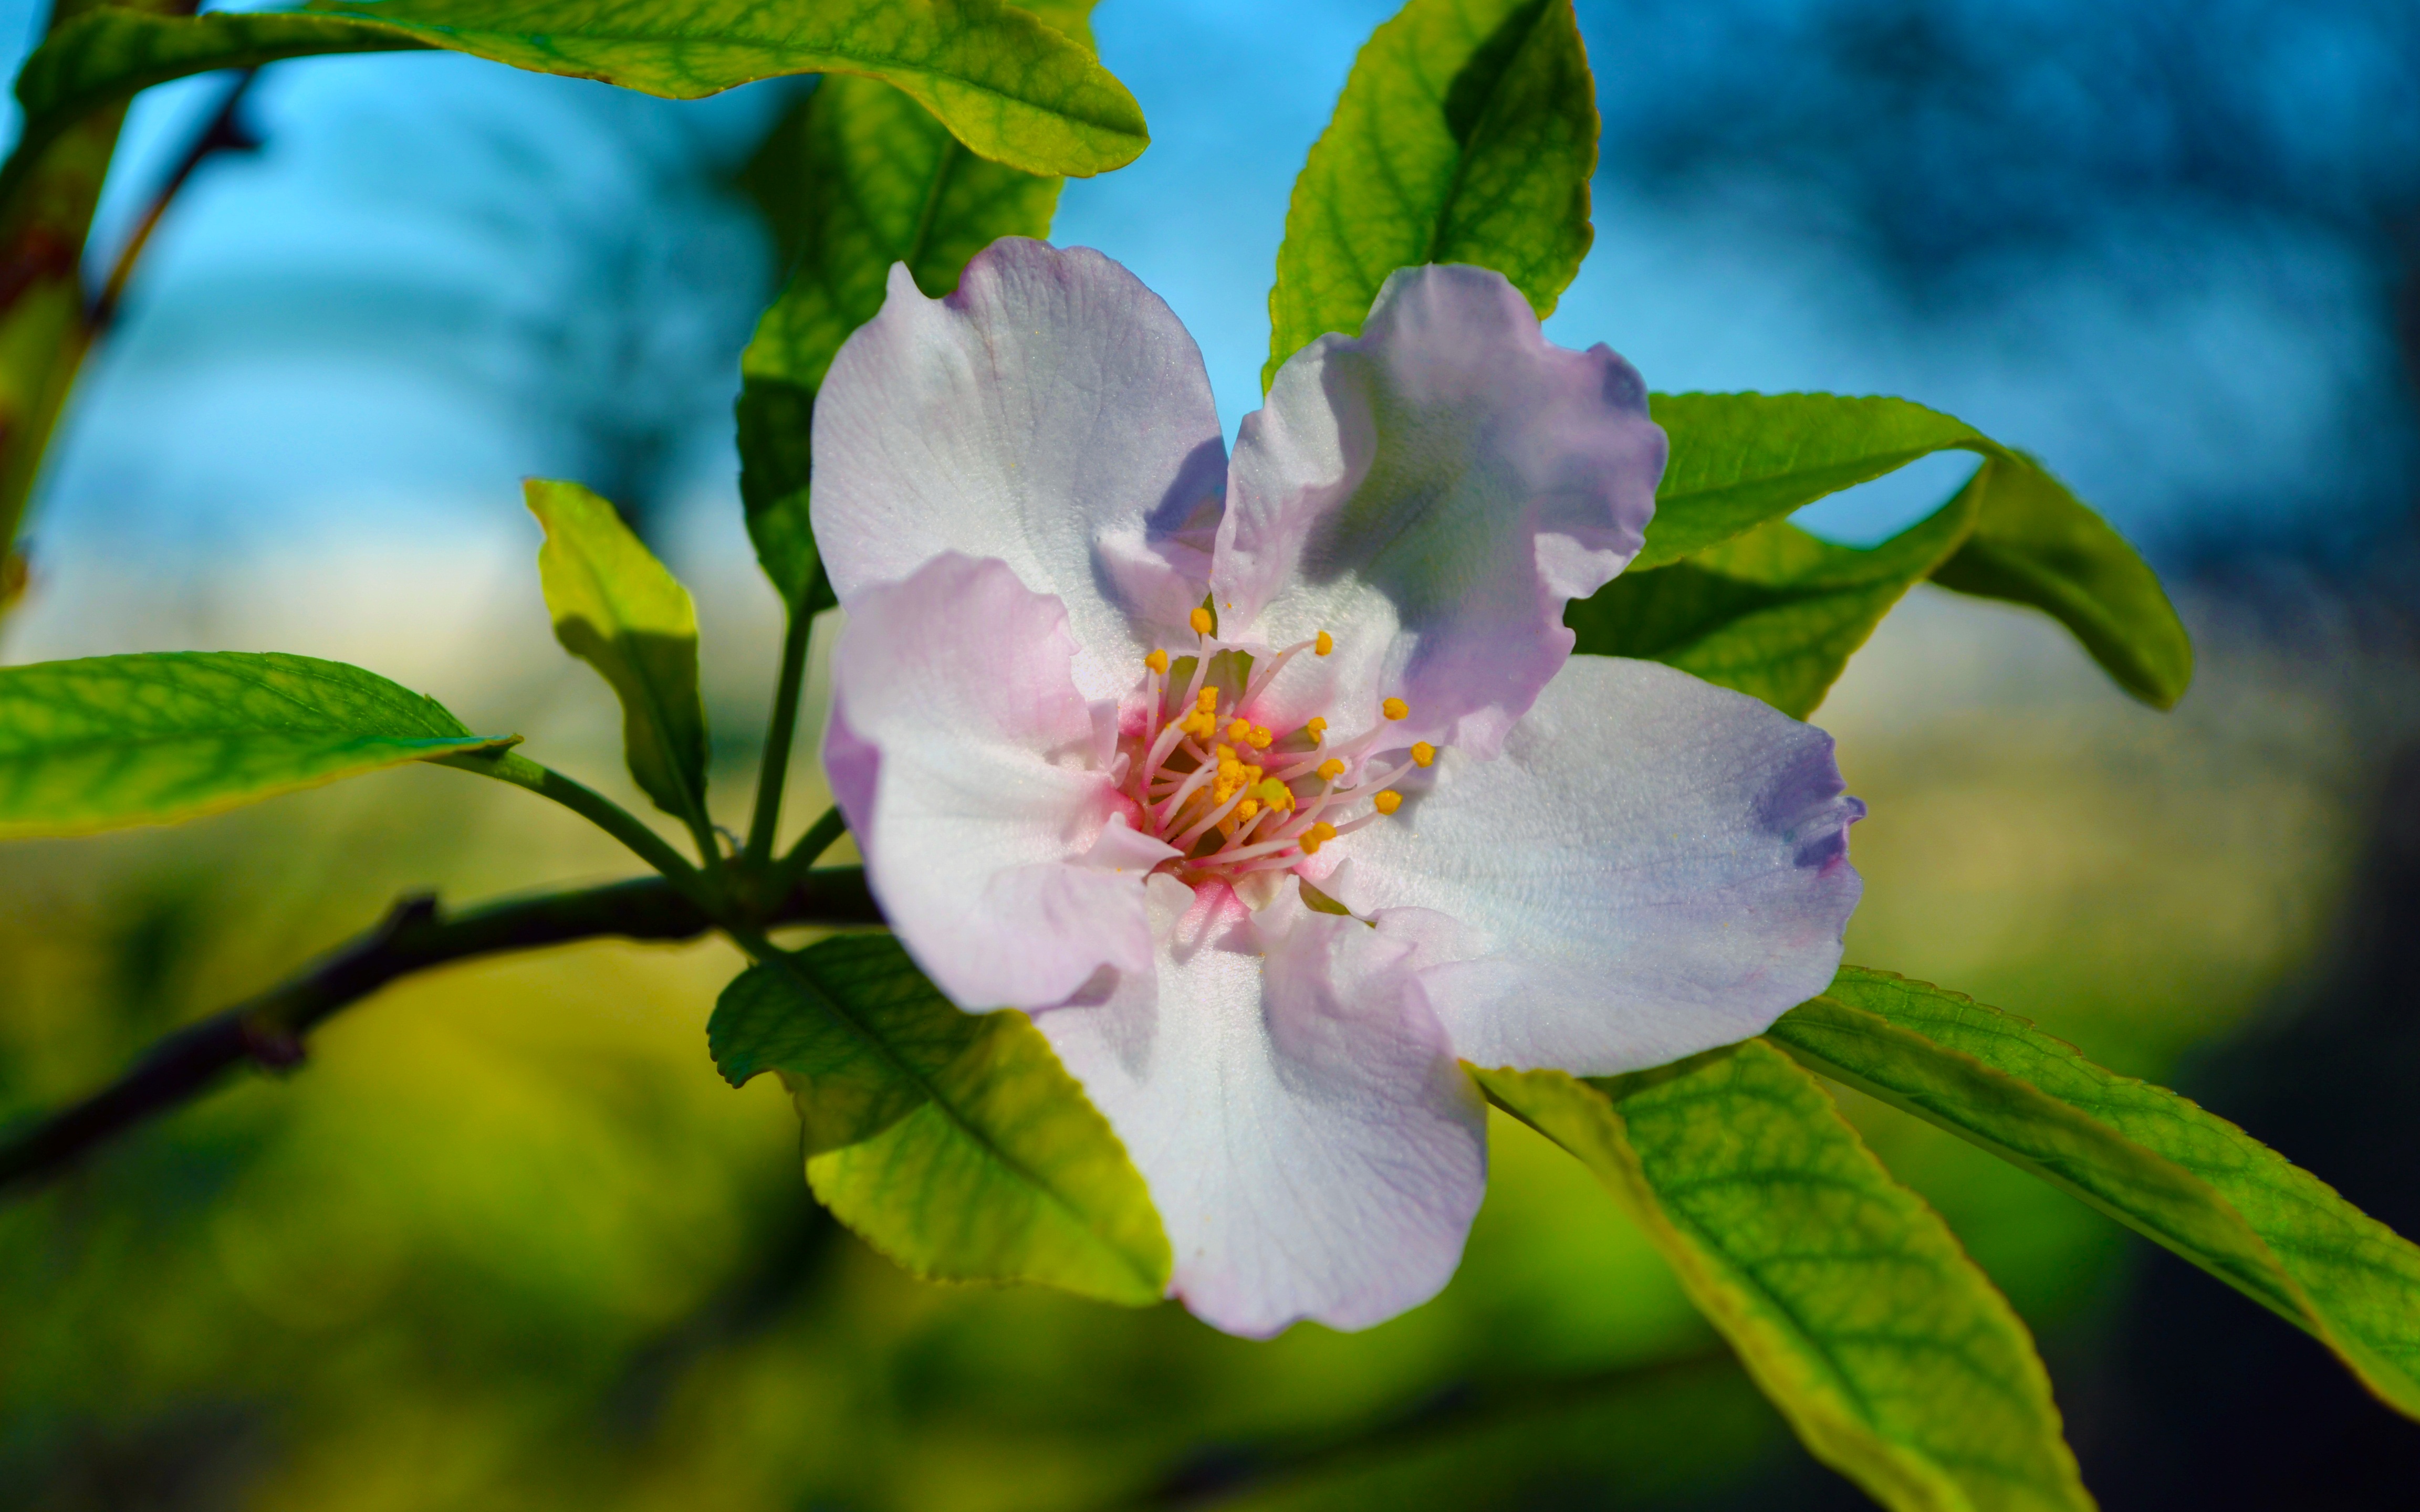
(1235, 797)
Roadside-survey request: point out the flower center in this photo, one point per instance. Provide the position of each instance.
(1235, 796)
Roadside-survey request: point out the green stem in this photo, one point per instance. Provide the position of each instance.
(820, 837)
(766, 821)
(778, 737)
(589, 804)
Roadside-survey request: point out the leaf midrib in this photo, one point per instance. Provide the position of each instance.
(788, 964)
(875, 65)
(408, 34)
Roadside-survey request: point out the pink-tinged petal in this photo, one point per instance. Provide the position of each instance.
(1313, 1147)
(1656, 866)
(1051, 413)
(1432, 493)
(978, 783)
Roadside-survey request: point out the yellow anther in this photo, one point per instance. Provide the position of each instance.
(1239, 729)
(1261, 737)
(1208, 702)
(1395, 709)
(1248, 809)
(1422, 753)
(1324, 645)
(1331, 769)
(1310, 844)
(1274, 794)
(1200, 621)
(1156, 662)
(1316, 729)
(1389, 801)
(1322, 832)
(1224, 754)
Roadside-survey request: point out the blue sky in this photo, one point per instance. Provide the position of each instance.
(352, 332)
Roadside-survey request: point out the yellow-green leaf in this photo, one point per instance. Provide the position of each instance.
(1742, 462)
(857, 178)
(1011, 87)
(823, 1020)
(2035, 542)
(1466, 134)
(616, 608)
(952, 1142)
(1774, 613)
(2156, 1162)
(1848, 1299)
(110, 740)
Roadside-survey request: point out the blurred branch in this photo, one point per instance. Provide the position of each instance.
(268, 1030)
(223, 132)
(1234, 1473)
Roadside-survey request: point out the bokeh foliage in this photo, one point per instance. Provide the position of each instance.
(1466, 132)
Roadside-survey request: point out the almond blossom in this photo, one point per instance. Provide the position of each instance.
(1271, 787)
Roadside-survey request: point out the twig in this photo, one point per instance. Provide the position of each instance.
(225, 132)
(1240, 1472)
(268, 1030)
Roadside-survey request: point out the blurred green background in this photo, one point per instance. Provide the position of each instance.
(507, 1240)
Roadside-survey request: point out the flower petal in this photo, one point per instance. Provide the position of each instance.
(1051, 413)
(1655, 867)
(980, 788)
(1432, 493)
(1313, 1147)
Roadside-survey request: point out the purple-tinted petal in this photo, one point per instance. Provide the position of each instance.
(1312, 1146)
(977, 781)
(1432, 493)
(1656, 866)
(1050, 413)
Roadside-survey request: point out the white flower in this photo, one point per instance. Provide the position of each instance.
(1077, 798)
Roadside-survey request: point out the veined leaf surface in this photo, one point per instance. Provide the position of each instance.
(952, 1142)
(616, 607)
(1848, 1299)
(2169, 1169)
(1742, 462)
(1774, 613)
(858, 177)
(1740, 459)
(809, 1021)
(1011, 87)
(2034, 542)
(1466, 134)
(109, 741)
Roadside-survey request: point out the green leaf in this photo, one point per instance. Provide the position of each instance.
(616, 608)
(1847, 1298)
(1742, 462)
(1740, 459)
(952, 1142)
(802, 1021)
(1011, 87)
(110, 740)
(2035, 542)
(2156, 1162)
(858, 177)
(1466, 134)
(1774, 613)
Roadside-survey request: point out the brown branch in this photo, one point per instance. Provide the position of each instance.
(1239, 1472)
(223, 132)
(268, 1030)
